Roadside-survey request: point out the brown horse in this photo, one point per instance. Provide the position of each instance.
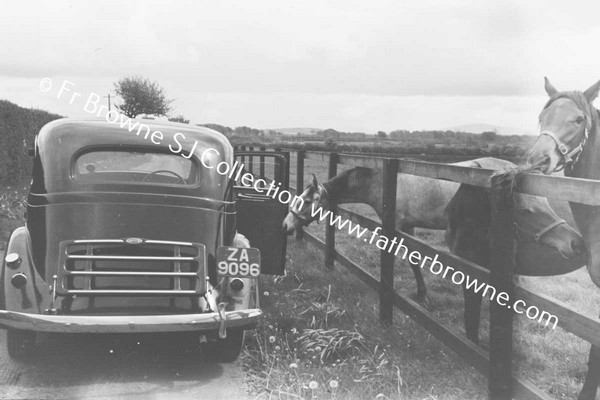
(420, 202)
(536, 226)
(570, 139)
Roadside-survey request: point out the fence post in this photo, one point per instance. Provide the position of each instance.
(388, 224)
(300, 184)
(243, 158)
(286, 180)
(330, 230)
(250, 161)
(262, 163)
(501, 317)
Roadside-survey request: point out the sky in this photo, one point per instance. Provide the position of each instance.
(349, 65)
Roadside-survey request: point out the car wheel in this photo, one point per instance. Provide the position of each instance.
(20, 344)
(226, 350)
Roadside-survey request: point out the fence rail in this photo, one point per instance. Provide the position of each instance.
(578, 190)
(498, 365)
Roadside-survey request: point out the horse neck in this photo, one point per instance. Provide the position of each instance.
(588, 165)
(587, 217)
(353, 186)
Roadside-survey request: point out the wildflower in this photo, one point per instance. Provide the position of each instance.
(313, 385)
(333, 384)
(266, 294)
(271, 339)
(318, 349)
(277, 348)
(293, 366)
(294, 330)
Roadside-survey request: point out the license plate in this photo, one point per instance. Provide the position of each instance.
(242, 262)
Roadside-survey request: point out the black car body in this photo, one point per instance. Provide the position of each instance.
(123, 234)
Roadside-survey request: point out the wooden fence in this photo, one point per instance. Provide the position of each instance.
(502, 383)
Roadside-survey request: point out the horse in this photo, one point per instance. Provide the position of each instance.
(539, 232)
(420, 202)
(569, 139)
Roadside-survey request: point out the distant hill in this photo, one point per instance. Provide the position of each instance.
(500, 130)
(294, 131)
(18, 127)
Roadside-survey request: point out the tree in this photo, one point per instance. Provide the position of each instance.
(180, 118)
(489, 136)
(141, 96)
(381, 135)
(331, 144)
(225, 130)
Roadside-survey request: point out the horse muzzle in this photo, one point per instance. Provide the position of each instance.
(543, 155)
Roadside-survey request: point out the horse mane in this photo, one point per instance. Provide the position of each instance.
(341, 182)
(470, 206)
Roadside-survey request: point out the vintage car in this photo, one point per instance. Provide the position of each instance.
(137, 230)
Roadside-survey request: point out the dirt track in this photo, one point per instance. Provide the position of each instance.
(116, 367)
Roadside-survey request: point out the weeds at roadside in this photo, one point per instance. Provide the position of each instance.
(302, 350)
(12, 202)
(12, 210)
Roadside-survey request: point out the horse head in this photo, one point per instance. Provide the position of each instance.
(569, 123)
(303, 209)
(542, 235)
(536, 222)
(565, 123)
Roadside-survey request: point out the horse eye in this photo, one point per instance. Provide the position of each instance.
(579, 119)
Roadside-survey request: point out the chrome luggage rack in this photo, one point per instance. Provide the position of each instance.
(131, 267)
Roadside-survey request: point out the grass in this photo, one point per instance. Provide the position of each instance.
(321, 330)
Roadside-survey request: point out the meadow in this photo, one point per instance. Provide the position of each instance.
(403, 361)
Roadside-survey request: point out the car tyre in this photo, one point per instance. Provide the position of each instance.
(226, 350)
(20, 343)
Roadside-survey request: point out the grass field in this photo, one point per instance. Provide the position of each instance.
(554, 360)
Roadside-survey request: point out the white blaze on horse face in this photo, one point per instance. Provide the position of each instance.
(302, 208)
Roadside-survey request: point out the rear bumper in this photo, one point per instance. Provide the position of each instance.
(127, 324)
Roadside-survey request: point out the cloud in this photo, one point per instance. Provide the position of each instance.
(381, 50)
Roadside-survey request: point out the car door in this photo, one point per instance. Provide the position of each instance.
(260, 213)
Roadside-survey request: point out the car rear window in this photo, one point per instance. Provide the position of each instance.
(131, 167)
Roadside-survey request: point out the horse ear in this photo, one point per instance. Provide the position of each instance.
(592, 92)
(315, 182)
(551, 90)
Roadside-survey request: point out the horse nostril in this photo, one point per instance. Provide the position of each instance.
(578, 246)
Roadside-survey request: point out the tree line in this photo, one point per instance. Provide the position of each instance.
(18, 128)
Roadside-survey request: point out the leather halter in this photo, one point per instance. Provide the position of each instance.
(537, 236)
(568, 156)
(303, 219)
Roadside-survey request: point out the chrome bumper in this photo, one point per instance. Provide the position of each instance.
(126, 324)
